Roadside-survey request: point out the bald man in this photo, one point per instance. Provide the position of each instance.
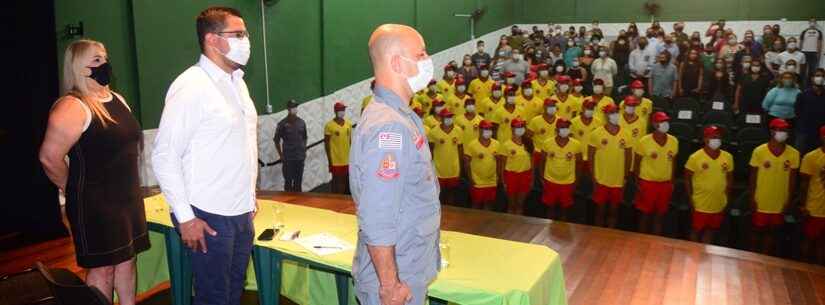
(392, 177)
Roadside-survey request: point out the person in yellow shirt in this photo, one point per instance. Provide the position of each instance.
(337, 134)
(469, 122)
(812, 174)
(610, 155)
(432, 119)
(509, 81)
(456, 101)
(635, 125)
(645, 107)
(708, 180)
(560, 156)
(531, 105)
(772, 182)
(544, 86)
(601, 99)
(430, 94)
(502, 116)
(655, 154)
(445, 144)
(577, 94)
(565, 104)
(367, 99)
(481, 164)
(491, 103)
(515, 168)
(481, 87)
(580, 129)
(541, 128)
(446, 85)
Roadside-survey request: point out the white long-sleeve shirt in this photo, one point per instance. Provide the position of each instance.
(206, 149)
(640, 61)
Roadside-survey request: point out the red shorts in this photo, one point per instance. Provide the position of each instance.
(518, 183)
(340, 170)
(605, 194)
(561, 194)
(814, 227)
(653, 197)
(710, 221)
(767, 221)
(448, 183)
(480, 195)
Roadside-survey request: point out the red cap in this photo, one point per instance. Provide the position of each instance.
(470, 101)
(631, 100)
(822, 131)
(459, 81)
(589, 103)
(511, 90)
(339, 106)
(577, 82)
(486, 124)
(544, 67)
(432, 82)
(610, 108)
(562, 123)
(509, 74)
(563, 79)
(712, 131)
(550, 102)
(438, 102)
(517, 122)
(598, 81)
(418, 110)
(526, 83)
(659, 117)
(483, 67)
(445, 113)
(496, 86)
(637, 84)
(779, 124)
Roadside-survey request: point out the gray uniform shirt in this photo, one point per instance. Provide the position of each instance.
(294, 136)
(520, 68)
(395, 190)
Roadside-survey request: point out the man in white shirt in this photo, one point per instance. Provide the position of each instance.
(640, 61)
(811, 45)
(205, 158)
(792, 53)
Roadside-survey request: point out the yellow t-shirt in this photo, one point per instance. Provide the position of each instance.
(709, 180)
(813, 164)
(637, 129)
(469, 126)
(479, 89)
(541, 129)
(483, 162)
(366, 101)
(560, 164)
(581, 132)
(773, 177)
(427, 101)
(598, 113)
(543, 91)
(445, 88)
(488, 106)
(518, 159)
(529, 107)
(644, 109)
(610, 156)
(657, 160)
(445, 151)
(339, 141)
(503, 117)
(431, 121)
(456, 104)
(568, 108)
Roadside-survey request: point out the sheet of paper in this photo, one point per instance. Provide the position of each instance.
(685, 114)
(324, 244)
(753, 119)
(718, 106)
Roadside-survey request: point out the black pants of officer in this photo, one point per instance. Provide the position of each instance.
(293, 171)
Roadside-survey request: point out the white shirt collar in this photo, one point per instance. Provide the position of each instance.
(215, 72)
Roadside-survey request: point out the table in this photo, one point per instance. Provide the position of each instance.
(482, 270)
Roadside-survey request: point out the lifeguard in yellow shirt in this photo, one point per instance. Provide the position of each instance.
(337, 135)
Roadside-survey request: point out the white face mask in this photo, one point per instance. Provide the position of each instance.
(339, 114)
(486, 133)
(578, 89)
(780, 136)
(485, 73)
(756, 69)
(433, 88)
(819, 80)
(519, 131)
(461, 88)
(551, 110)
(663, 127)
(470, 108)
(598, 89)
(438, 109)
(587, 52)
(239, 50)
(746, 65)
(511, 80)
(544, 73)
(792, 46)
(575, 64)
(564, 88)
(450, 74)
(293, 111)
(448, 121)
(613, 118)
(425, 74)
(630, 109)
(559, 69)
(517, 57)
(528, 92)
(638, 92)
(588, 113)
(564, 132)
(497, 94)
(602, 53)
(511, 100)
(714, 143)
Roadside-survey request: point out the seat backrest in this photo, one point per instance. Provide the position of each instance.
(719, 117)
(750, 120)
(69, 289)
(686, 109)
(753, 134)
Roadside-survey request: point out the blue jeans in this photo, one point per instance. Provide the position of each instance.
(219, 274)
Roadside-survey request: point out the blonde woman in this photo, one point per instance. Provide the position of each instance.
(94, 127)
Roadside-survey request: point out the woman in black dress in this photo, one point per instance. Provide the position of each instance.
(94, 127)
(752, 87)
(691, 72)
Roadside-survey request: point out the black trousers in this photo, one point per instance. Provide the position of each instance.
(293, 171)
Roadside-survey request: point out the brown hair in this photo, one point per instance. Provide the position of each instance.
(213, 20)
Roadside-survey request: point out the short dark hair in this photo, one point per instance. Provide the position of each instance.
(213, 20)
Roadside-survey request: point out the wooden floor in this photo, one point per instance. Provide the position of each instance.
(601, 266)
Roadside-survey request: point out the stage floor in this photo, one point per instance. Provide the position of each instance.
(601, 266)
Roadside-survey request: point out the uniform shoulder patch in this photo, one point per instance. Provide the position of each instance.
(388, 168)
(389, 140)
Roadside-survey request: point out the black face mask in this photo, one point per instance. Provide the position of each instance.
(102, 74)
